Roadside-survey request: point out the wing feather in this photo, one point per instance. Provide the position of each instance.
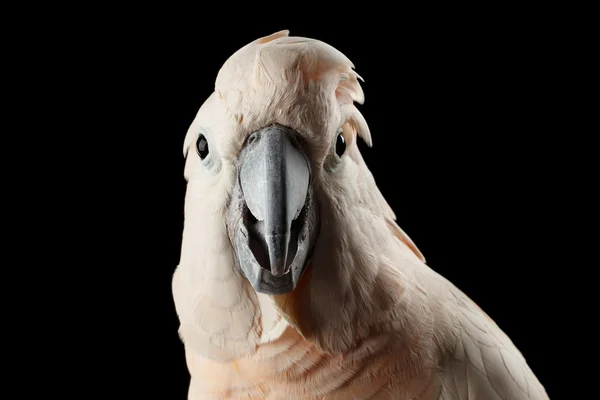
(485, 364)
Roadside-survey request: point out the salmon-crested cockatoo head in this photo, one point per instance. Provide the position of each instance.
(280, 206)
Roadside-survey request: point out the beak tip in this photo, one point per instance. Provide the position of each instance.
(278, 253)
(277, 273)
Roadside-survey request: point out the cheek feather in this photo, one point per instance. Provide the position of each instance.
(291, 305)
(218, 310)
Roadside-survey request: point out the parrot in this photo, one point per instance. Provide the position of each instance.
(294, 279)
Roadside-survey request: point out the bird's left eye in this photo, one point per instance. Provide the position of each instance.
(340, 144)
(202, 146)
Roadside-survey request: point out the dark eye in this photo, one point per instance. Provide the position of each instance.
(340, 145)
(202, 146)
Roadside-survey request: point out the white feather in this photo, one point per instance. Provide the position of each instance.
(369, 319)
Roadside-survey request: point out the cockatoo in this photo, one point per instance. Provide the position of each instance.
(294, 281)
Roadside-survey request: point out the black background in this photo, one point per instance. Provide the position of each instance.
(455, 107)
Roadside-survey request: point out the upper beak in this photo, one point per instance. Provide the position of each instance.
(274, 176)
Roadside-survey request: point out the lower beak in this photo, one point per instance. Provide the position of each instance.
(274, 177)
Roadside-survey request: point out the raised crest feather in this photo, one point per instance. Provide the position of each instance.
(275, 68)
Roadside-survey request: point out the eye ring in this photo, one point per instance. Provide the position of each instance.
(340, 144)
(202, 146)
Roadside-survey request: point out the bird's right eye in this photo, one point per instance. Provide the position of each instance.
(202, 146)
(340, 144)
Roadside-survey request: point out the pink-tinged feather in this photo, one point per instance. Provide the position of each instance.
(369, 319)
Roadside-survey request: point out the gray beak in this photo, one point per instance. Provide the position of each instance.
(276, 230)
